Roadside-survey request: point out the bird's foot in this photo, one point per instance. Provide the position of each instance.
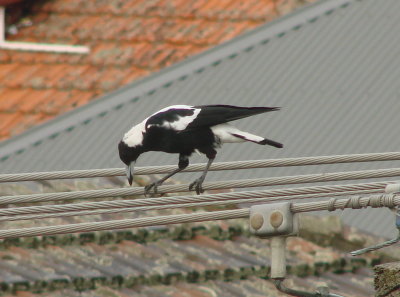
(153, 186)
(197, 185)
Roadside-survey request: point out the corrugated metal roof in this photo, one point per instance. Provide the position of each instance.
(332, 66)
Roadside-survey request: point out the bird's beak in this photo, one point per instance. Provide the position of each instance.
(129, 172)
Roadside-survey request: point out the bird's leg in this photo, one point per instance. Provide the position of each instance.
(197, 184)
(159, 182)
(183, 163)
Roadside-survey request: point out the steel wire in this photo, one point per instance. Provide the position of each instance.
(171, 201)
(383, 200)
(183, 205)
(245, 183)
(302, 161)
(128, 223)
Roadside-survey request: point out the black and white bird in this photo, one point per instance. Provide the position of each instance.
(183, 129)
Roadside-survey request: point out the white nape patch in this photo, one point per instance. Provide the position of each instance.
(134, 136)
(183, 121)
(224, 134)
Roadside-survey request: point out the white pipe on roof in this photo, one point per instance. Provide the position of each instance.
(40, 47)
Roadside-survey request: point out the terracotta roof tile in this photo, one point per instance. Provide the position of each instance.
(78, 98)
(127, 39)
(6, 69)
(4, 56)
(7, 121)
(87, 79)
(11, 99)
(53, 101)
(68, 79)
(35, 100)
(19, 75)
(26, 122)
(133, 75)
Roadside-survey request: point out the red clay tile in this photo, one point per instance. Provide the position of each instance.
(10, 100)
(68, 78)
(79, 98)
(35, 100)
(262, 11)
(55, 73)
(8, 120)
(87, 79)
(6, 69)
(110, 79)
(4, 56)
(134, 74)
(58, 101)
(19, 75)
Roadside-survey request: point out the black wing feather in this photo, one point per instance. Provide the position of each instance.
(211, 115)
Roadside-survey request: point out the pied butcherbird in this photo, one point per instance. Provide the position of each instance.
(183, 129)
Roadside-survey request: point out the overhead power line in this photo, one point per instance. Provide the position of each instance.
(389, 156)
(195, 200)
(354, 202)
(129, 223)
(245, 183)
(46, 215)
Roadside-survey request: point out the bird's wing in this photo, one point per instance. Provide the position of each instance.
(211, 115)
(185, 117)
(175, 117)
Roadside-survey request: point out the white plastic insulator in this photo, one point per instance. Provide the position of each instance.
(392, 188)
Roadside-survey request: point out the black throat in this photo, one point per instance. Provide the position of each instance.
(128, 154)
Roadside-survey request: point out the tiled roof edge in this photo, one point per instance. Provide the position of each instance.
(176, 233)
(170, 75)
(121, 280)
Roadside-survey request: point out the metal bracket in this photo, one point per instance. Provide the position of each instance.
(277, 221)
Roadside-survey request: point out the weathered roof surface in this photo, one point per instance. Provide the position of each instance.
(349, 284)
(127, 39)
(332, 66)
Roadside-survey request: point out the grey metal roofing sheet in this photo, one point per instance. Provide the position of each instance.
(333, 67)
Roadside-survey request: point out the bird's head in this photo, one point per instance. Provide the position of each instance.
(129, 155)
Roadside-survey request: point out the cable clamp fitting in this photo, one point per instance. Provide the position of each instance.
(274, 219)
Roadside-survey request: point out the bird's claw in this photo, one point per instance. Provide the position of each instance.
(151, 186)
(197, 185)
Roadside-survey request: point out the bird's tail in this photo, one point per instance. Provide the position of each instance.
(256, 139)
(271, 143)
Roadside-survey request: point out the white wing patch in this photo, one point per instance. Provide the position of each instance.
(134, 136)
(225, 133)
(174, 107)
(183, 121)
